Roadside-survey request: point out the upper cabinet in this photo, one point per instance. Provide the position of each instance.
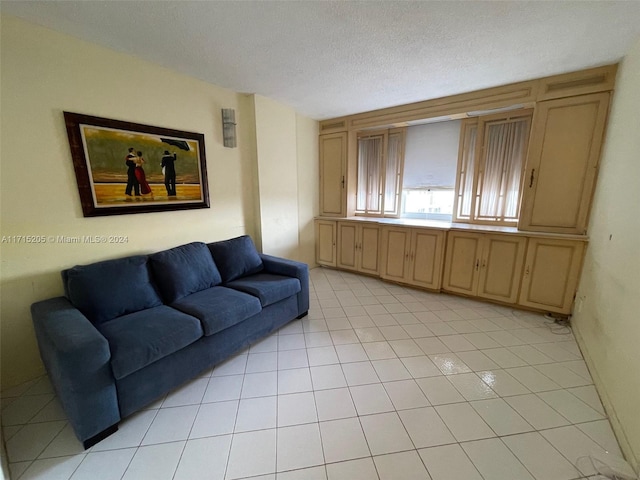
(333, 163)
(564, 151)
(592, 80)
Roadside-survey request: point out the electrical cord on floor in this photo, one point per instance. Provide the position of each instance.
(557, 325)
(609, 466)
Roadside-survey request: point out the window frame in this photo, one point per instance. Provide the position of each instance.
(383, 180)
(479, 160)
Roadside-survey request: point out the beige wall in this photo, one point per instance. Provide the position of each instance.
(287, 184)
(277, 177)
(308, 187)
(607, 316)
(44, 73)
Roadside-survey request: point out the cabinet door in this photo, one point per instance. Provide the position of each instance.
(564, 152)
(501, 267)
(552, 269)
(333, 157)
(395, 253)
(347, 245)
(425, 268)
(369, 249)
(326, 243)
(462, 262)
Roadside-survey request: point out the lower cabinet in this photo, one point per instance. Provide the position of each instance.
(326, 242)
(484, 265)
(412, 256)
(529, 270)
(551, 274)
(358, 247)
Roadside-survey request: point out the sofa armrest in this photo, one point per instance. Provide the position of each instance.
(77, 358)
(290, 268)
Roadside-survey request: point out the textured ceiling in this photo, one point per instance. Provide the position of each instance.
(327, 59)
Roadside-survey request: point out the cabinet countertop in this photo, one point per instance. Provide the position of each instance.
(441, 225)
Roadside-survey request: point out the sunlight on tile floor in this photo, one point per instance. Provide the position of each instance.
(378, 382)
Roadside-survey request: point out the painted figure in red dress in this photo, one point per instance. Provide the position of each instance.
(140, 175)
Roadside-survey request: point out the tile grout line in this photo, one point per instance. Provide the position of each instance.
(346, 286)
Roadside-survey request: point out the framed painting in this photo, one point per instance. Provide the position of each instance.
(124, 167)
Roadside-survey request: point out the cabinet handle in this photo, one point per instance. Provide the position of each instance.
(477, 264)
(342, 182)
(533, 171)
(484, 263)
(526, 272)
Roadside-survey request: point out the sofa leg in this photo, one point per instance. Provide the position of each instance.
(90, 442)
(302, 315)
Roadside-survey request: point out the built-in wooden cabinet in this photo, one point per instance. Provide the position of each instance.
(358, 247)
(562, 163)
(535, 265)
(326, 242)
(582, 82)
(412, 256)
(462, 262)
(551, 273)
(501, 267)
(532, 270)
(333, 164)
(484, 265)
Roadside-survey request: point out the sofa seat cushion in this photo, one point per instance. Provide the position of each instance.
(139, 339)
(267, 287)
(112, 288)
(218, 308)
(183, 270)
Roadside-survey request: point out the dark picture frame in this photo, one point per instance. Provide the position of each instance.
(166, 169)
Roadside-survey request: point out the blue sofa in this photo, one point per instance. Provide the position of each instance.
(132, 329)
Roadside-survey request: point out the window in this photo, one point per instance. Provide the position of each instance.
(428, 203)
(379, 176)
(490, 166)
(429, 177)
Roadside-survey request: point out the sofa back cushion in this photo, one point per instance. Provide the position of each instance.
(106, 290)
(236, 257)
(183, 270)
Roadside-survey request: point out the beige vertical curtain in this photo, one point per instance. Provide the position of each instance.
(391, 186)
(465, 193)
(369, 174)
(500, 177)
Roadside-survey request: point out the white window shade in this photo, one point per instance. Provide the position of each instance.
(431, 155)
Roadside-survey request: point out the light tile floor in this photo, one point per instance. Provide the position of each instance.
(378, 382)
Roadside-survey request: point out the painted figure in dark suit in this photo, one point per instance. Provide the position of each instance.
(132, 181)
(169, 169)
